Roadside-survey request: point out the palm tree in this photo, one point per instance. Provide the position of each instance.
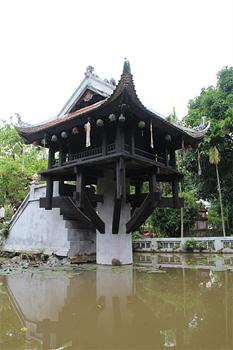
(214, 158)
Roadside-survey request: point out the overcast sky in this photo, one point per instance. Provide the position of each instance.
(175, 48)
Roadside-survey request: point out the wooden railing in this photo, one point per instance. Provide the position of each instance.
(111, 148)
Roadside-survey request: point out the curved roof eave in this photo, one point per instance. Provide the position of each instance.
(124, 90)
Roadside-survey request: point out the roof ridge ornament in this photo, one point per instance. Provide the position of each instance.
(89, 70)
(202, 125)
(19, 122)
(126, 67)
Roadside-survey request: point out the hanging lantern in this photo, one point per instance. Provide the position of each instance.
(75, 131)
(151, 136)
(64, 135)
(168, 137)
(43, 142)
(141, 125)
(122, 118)
(35, 143)
(54, 138)
(99, 122)
(112, 117)
(87, 128)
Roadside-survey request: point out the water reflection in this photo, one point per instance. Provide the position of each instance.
(127, 307)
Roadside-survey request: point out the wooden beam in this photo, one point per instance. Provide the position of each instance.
(170, 177)
(116, 215)
(94, 198)
(57, 202)
(137, 199)
(140, 215)
(92, 215)
(142, 172)
(68, 206)
(168, 202)
(77, 212)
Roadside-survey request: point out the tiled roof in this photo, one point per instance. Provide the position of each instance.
(125, 94)
(43, 126)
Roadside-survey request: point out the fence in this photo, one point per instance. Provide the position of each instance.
(177, 244)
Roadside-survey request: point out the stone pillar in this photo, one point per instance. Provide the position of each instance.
(109, 245)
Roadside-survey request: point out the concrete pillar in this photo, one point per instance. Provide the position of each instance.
(109, 245)
(218, 243)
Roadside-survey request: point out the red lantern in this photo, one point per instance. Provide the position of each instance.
(75, 131)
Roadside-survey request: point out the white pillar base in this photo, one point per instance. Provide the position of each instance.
(109, 245)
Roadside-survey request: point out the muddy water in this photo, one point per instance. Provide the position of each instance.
(162, 301)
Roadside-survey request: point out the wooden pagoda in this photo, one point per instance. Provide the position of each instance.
(105, 135)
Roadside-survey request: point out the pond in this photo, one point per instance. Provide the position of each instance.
(162, 301)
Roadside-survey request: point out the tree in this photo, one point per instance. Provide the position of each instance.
(18, 163)
(215, 159)
(167, 221)
(216, 103)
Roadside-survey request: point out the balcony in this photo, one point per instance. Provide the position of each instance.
(110, 150)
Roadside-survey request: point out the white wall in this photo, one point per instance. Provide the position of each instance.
(36, 229)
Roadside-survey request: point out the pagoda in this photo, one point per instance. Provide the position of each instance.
(102, 147)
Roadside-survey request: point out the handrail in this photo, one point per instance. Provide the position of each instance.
(19, 210)
(111, 148)
(24, 204)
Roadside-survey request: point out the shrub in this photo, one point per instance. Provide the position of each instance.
(190, 244)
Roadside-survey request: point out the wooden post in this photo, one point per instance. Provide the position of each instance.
(132, 142)
(104, 142)
(120, 138)
(173, 158)
(120, 178)
(166, 157)
(152, 186)
(49, 193)
(61, 153)
(51, 157)
(80, 186)
(175, 193)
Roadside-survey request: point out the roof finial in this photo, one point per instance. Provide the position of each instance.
(126, 68)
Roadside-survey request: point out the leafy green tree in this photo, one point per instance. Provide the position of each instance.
(18, 163)
(167, 221)
(216, 103)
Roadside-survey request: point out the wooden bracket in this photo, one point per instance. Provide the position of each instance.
(116, 215)
(141, 214)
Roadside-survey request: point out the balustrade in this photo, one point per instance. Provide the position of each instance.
(111, 148)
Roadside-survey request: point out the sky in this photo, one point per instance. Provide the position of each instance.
(175, 48)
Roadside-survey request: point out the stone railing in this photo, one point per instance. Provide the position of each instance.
(204, 244)
(36, 191)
